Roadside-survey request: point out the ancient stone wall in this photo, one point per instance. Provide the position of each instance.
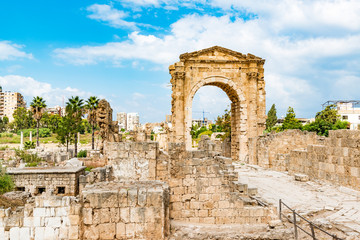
(106, 211)
(337, 161)
(204, 189)
(36, 181)
(272, 150)
(126, 210)
(48, 217)
(132, 160)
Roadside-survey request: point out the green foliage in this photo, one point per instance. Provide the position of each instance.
(43, 132)
(6, 183)
(271, 118)
(29, 145)
(64, 130)
(50, 121)
(197, 131)
(82, 154)
(290, 122)
(31, 159)
(3, 124)
(88, 169)
(325, 120)
(208, 132)
(6, 135)
(23, 119)
(224, 124)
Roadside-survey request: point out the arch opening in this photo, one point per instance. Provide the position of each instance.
(234, 96)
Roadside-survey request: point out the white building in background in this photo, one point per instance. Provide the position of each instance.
(9, 102)
(121, 117)
(201, 122)
(132, 121)
(350, 111)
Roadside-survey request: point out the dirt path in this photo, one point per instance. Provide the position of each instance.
(324, 203)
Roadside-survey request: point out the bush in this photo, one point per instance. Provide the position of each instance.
(43, 132)
(82, 154)
(29, 145)
(31, 159)
(6, 183)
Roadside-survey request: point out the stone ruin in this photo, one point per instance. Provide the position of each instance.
(149, 192)
(109, 129)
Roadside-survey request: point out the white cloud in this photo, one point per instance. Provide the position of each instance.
(11, 51)
(29, 88)
(297, 38)
(210, 99)
(110, 15)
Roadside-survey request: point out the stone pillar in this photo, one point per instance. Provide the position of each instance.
(177, 108)
(21, 140)
(30, 136)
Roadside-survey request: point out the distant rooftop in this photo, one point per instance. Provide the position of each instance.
(330, 102)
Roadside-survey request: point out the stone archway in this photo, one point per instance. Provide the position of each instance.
(240, 76)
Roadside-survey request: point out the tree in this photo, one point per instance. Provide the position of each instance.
(22, 119)
(290, 122)
(224, 124)
(64, 131)
(4, 123)
(91, 106)
(271, 118)
(74, 110)
(325, 120)
(37, 107)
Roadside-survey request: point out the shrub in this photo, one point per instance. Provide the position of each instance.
(31, 159)
(6, 183)
(43, 132)
(29, 145)
(82, 154)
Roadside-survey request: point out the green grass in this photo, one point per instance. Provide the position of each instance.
(6, 138)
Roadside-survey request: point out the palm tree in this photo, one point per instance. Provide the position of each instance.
(74, 109)
(91, 106)
(37, 107)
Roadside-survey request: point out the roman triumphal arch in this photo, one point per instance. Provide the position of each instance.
(240, 76)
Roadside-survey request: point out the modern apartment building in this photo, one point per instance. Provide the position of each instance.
(132, 121)
(121, 117)
(9, 102)
(349, 110)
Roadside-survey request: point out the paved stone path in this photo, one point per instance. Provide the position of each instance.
(330, 204)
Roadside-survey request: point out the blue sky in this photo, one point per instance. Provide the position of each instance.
(120, 50)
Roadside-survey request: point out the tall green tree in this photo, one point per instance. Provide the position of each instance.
(290, 122)
(65, 131)
(74, 109)
(22, 119)
(325, 120)
(91, 106)
(38, 106)
(271, 118)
